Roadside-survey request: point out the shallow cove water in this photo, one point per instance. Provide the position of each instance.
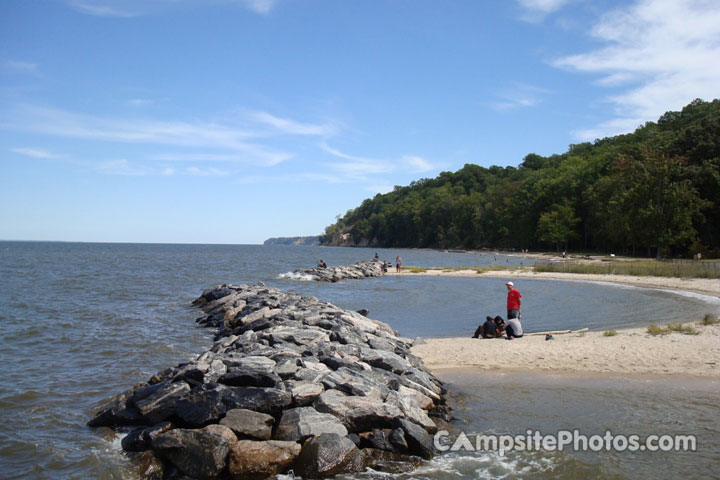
(81, 322)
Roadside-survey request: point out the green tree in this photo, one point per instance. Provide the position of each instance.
(660, 202)
(557, 225)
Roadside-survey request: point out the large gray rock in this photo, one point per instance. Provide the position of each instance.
(246, 423)
(197, 453)
(202, 406)
(159, 405)
(265, 400)
(255, 460)
(141, 439)
(328, 454)
(305, 393)
(419, 441)
(297, 424)
(358, 414)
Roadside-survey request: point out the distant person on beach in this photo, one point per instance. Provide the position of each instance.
(322, 264)
(514, 300)
(398, 263)
(384, 267)
(513, 329)
(487, 329)
(499, 326)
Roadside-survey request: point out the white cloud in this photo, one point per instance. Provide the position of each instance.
(519, 95)
(544, 6)
(536, 10)
(663, 53)
(417, 164)
(36, 153)
(122, 167)
(239, 142)
(362, 168)
(15, 66)
(291, 127)
(134, 8)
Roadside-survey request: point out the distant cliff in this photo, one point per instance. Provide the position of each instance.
(314, 240)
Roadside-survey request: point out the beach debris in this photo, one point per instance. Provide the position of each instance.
(290, 383)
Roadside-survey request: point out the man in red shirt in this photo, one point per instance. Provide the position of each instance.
(514, 300)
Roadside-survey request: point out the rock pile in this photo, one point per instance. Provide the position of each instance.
(334, 274)
(290, 383)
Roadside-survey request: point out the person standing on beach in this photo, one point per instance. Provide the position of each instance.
(514, 300)
(398, 263)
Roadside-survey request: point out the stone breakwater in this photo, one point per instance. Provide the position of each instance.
(290, 383)
(335, 274)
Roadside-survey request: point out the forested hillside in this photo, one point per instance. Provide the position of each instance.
(655, 191)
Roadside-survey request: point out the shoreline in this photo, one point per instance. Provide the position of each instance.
(632, 352)
(696, 285)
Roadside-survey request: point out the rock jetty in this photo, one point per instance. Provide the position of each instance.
(335, 274)
(290, 383)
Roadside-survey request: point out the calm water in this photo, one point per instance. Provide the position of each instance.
(81, 322)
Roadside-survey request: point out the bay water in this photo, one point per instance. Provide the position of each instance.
(80, 322)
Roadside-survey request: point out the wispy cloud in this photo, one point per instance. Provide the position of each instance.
(36, 153)
(291, 127)
(536, 10)
(122, 167)
(519, 95)
(213, 141)
(363, 168)
(661, 53)
(15, 66)
(135, 8)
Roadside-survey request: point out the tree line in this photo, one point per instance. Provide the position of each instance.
(655, 191)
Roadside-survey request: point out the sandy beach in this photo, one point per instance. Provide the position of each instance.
(630, 352)
(700, 285)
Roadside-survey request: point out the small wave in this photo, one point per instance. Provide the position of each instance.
(305, 277)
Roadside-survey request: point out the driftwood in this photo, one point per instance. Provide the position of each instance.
(557, 332)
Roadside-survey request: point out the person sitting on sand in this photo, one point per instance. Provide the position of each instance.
(499, 326)
(487, 329)
(513, 328)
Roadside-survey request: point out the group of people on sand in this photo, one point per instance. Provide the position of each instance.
(498, 327)
(386, 265)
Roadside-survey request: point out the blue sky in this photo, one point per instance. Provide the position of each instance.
(231, 121)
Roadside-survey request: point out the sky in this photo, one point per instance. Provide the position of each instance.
(232, 121)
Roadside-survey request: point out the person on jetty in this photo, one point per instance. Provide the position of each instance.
(376, 258)
(514, 300)
(322, 264)
(398, 263)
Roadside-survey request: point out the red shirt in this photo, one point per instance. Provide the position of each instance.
(513, 301)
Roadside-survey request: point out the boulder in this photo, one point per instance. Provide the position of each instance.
(202, 406)
(419, 441)
(265, 400)
(305, 393)
(246, 423)
(148, 465)
(141, 439)
(358, 414)
(160, 404)
(199, 453)
(255, 460)
(297, 424)
(326, 455)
